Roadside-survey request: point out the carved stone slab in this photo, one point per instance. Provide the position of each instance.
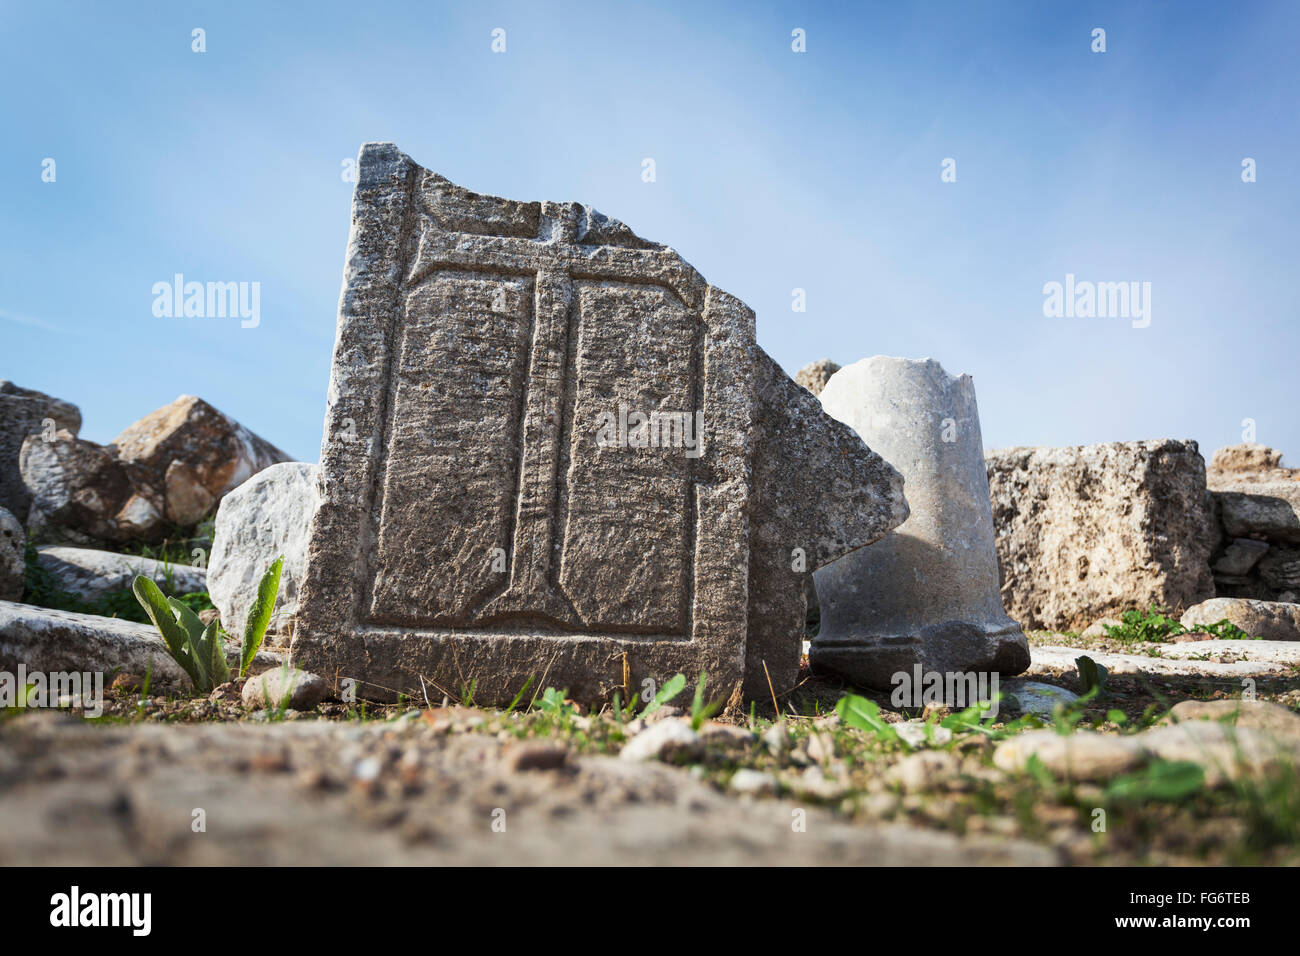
(538, 456)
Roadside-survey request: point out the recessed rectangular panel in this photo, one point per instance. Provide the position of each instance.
(629, 523)
(450, 478)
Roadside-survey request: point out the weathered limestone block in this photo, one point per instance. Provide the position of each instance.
(46, 640)
(1266, 509)
(83, 495)
(1256, 504)
(24, 412)
(1247, 458)
(1097, 530)
(539, 457)
(13, 559)
(1266, 620)
(264, 518)
(928, 594)
(89, 574)
(193, 454)
(815, 375)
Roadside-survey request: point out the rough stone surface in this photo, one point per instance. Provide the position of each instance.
(1269, 509)
(1083, 755)
(1097, 530)
(46, 640)
(25, 412)
(928, 593)
(264, 518)
(1258, 714)
(1035, 697)
(81, 494)
(284, 687)
(1224, 752)
(667, 740)
(88, 574)
(1230, 660)
(194, 454)
(817, 492)
(13, 561)
(815, 375)
(1240, 556)
(496, 503)
(167, 470)
(1268, 620)
(1246, 458)
(81, 795)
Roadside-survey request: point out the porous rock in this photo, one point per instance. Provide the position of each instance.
(25, 412)
(1097, 530)
(194, 454)
(1267, 620)
(13, 560)
(815, 375)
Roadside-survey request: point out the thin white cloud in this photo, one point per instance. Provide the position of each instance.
(28, 320)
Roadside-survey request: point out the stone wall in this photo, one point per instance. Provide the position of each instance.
(1256, 505)
(1091, 531)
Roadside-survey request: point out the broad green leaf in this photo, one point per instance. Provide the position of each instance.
(864, 714)
(173, 634)
(218, 669)
(671, 689)
(259, 615)
(188, 619)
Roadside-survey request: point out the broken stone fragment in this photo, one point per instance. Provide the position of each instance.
(13, 557)
(1240, 556)
(553, 451)
(24, 412)
(1097, 530)
(1259, 714)
(1267, 620)
(264, 518)
(1244, 459)
(815, 375)
(81, 494)
(927, 594)
(1265, 509)
(49, 641)
(819, 493)
(89, 574)
(215, 453)
(278, 687)
(168, 469)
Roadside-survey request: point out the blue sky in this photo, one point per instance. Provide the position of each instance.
(775, 170)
